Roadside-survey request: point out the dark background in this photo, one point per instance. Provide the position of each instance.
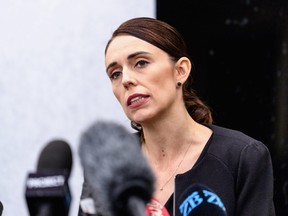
(240, 53)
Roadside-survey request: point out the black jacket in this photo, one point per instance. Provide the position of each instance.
(236, 167)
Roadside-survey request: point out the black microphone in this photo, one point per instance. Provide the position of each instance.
(47, 190)
(1, 208)
(120, 179)
(198, 200)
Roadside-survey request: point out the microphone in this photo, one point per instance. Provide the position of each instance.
(47, 191)
(1, 208)
(198, 200)
(120, 179)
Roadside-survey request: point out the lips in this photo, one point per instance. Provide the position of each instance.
(136, 99)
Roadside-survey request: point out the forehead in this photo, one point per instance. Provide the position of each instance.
(124, 45)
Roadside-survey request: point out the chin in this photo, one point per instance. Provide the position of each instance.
(140, 117)
(142, 121)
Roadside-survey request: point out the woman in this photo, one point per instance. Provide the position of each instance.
(150, 72)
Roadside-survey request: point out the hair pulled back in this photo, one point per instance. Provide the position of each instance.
(168, 39)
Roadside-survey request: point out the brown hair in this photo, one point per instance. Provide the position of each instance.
(168, 39)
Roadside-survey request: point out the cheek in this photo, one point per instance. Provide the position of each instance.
(163, 85)
(162, 74)
(162, 81)
(118, 95)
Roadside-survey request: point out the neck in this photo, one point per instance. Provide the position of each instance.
(170, 135)
(165, 140)
(172, 147)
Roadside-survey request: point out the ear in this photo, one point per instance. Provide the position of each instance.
(183, 67)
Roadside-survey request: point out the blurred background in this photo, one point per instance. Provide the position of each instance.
(53, 82)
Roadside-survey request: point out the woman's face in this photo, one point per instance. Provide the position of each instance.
(143, 78)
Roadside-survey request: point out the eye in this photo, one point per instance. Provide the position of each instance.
(141, 63)
(115, 75)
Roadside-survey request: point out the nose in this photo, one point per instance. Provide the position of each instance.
(128, 78)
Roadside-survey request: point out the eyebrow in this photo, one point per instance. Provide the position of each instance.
(133, 55)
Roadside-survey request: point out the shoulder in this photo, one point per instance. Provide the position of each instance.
(229, 138)
(232, 147)
(230, 134)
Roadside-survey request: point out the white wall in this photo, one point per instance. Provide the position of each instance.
(53, 82)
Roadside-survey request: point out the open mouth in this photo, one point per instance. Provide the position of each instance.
(136, 99)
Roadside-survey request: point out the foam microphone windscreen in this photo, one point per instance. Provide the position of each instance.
(118, 174)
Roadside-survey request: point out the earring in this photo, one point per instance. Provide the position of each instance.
(179, 84)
